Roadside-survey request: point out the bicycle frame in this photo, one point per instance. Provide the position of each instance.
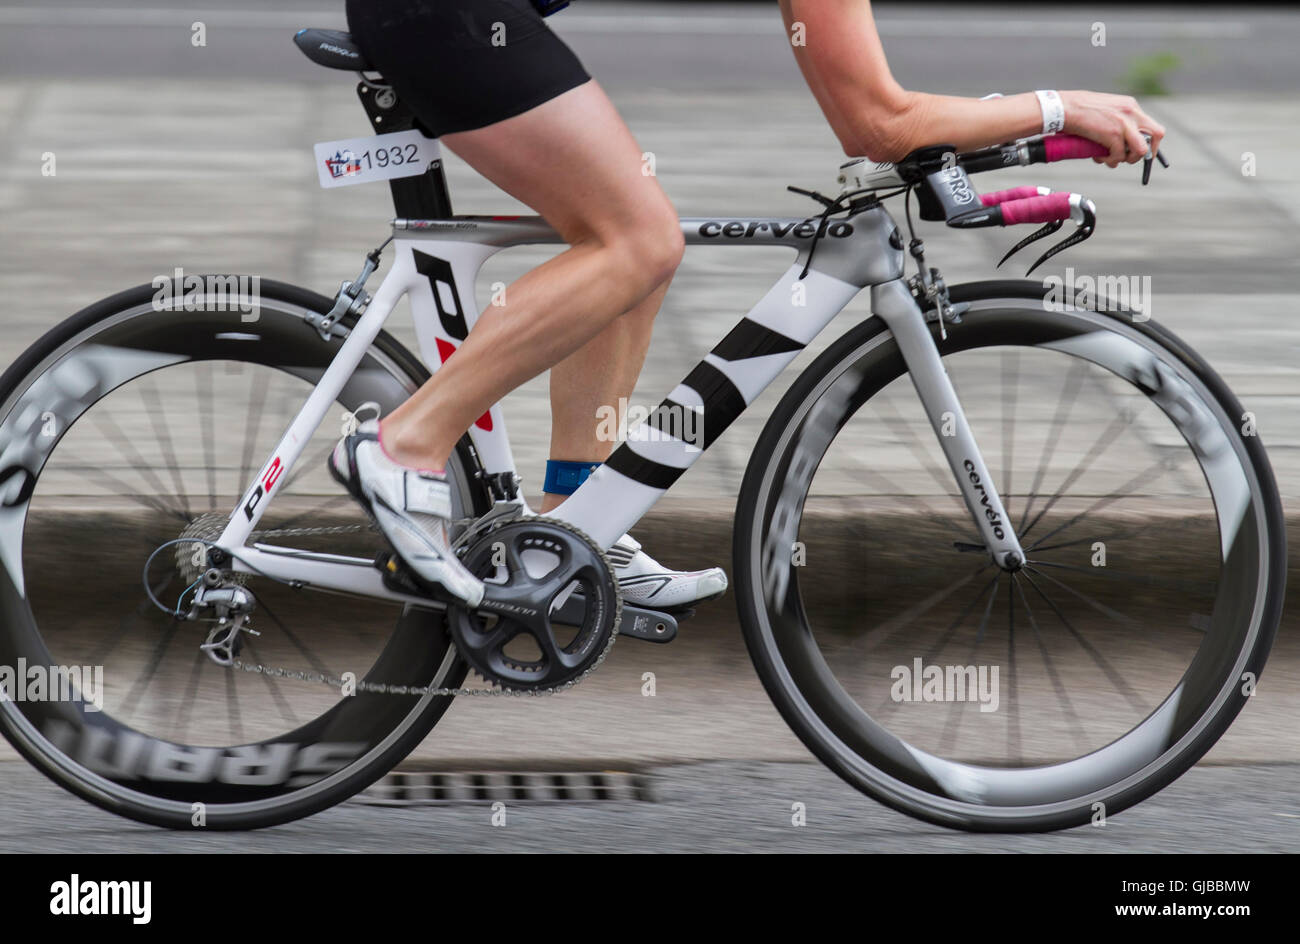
(437, 263)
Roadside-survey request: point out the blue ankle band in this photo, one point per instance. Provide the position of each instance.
(563, 477)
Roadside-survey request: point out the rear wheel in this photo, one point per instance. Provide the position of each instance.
(985, 700)
(126, 427)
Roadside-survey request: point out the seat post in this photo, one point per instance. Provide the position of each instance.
(424, 197)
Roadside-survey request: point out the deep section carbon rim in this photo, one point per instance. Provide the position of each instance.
(121, 436)
(953, 689)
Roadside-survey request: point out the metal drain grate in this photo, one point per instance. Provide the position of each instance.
(409, 788)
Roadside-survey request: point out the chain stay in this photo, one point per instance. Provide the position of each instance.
(480, 526)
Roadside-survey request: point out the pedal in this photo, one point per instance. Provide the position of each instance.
(649, 625)
(397, 576)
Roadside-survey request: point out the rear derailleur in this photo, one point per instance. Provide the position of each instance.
(229, 605)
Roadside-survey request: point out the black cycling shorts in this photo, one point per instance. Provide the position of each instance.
(464, 64)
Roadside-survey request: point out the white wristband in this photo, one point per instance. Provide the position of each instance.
(1049, 100)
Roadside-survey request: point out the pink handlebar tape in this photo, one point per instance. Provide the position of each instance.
(1002, 196)
(1048, 209)
(1068, 147)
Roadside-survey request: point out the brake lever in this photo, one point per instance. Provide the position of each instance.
(1081, 232)
(1046, 230)
(1146, 161)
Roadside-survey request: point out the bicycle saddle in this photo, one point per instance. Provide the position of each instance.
(333, 49)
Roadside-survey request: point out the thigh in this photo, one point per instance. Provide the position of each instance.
(571, 159)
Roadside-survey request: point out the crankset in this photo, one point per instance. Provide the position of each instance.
(552, 607)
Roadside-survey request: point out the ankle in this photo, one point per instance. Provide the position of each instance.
(406, 451)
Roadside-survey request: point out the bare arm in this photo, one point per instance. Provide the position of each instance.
(873, 116)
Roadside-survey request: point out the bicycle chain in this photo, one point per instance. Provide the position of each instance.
(360, 685)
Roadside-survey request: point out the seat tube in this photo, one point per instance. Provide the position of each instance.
(894, 304)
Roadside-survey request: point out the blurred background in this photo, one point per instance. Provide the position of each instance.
(171, 155)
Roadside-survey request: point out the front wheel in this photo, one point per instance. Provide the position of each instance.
(980, 699)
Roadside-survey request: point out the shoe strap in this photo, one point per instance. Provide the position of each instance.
(423, 494)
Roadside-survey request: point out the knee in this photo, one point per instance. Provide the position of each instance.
(652, 252)
(671, 246)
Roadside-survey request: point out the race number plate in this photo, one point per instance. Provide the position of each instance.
(381, 157)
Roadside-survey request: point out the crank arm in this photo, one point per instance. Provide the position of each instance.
(639, 623)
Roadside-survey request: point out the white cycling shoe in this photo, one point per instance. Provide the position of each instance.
(645, 582)
(411, 506)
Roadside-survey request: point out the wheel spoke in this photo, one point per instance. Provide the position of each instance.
(158, 420)
(110, 643)
(1104, 442)
(948, 738)
(303, 467)
(181, 726)
(252, 425)
(1010, 387)
(290, 635)
(1091, 601)
(207, 406)
(1015, 748)
(281, 703)
(907, 436)
(1064, 405)
(1116, 679)
(1072, 719)
(882, 633)
(232, 708)
(126, 449)
(316, 512)
(1108, 573)
(1145, 477)
(131, 702)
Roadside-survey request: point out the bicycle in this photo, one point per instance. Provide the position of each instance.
(1132, 597)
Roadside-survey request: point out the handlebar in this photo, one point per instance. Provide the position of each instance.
(940, 176)
(1067, 147)
(1052, 208)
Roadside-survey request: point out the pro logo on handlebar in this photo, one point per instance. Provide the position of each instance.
(957, 185)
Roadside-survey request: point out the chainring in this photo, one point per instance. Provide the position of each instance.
(532, 566)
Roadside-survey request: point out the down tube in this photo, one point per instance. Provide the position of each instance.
(701, 407)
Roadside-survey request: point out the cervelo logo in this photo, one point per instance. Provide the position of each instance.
(747, 229)
(267, 482)
(994, 518)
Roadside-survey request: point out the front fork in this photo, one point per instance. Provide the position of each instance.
(894, 303)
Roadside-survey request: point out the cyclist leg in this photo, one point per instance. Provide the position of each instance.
(624, 244)
(601, 374)
(597, 377)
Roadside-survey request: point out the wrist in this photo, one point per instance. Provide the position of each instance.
(1052, 107)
